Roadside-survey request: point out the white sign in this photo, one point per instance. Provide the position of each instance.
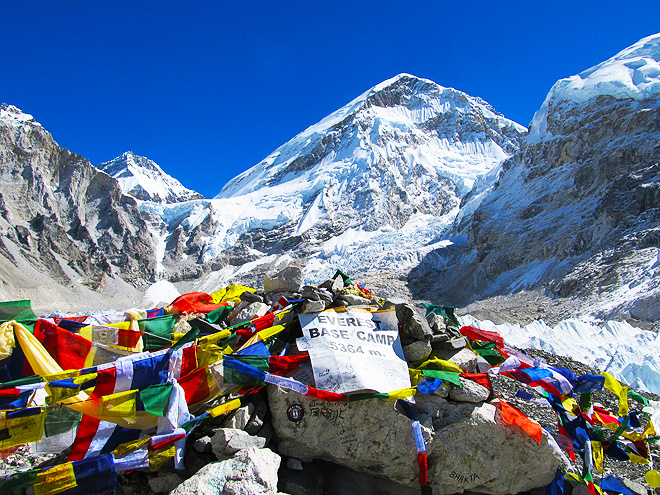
(354, 350)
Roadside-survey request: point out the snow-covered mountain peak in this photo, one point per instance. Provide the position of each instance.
(145, 180)
(453, 133)
(13, 116)
(633, 74)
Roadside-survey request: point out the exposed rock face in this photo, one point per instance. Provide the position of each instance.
(61, 217)
(251, 471)
(577, 210)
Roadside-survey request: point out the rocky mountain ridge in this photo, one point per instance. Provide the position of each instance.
(576, 210)
(67, 233)
(421, 189)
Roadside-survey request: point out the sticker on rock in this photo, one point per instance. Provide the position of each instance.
(295, 413)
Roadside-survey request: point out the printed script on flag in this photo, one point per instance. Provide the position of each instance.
(354, 350)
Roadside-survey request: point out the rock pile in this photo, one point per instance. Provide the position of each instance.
(451, 434)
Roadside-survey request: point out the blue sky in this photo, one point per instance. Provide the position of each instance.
(208, 89)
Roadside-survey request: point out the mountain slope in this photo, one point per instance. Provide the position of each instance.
(375, 183)
(67, 233)
(145, 180)
(577, 210)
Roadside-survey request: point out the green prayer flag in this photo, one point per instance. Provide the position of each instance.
(638, 398)
(158, 332)
(218, 314)
(585, 401)
(21, 311)
(156, 398)
(61, 420)
(449, 376)
(17, 481)
(189, 337)
(21, 381)
(233, 376)
(446, 312)
(347, 280)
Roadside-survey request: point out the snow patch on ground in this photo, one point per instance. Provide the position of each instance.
(162, 291)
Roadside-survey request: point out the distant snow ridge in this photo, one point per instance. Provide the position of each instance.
(145, 180)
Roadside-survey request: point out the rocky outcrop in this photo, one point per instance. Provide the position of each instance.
(63, 219)
(576, 211)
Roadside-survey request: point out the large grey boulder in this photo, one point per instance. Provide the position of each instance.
(250, 472)
(469, 446)
(288, 279)
(228, 441)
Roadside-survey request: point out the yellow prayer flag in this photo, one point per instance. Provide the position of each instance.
(225, 408)
(637, 459)
(128, 447)
(650, 430)
(613, 385)
(22, 430)
(435, 363)
(214, 338)
(597, 450)
(121, 404)
(160, 458)
(55, 480)
(269, 332)
(230, 293)
(208, 354)
(58, 394)
(403, 393)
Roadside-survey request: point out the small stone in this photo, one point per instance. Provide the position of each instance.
(228, 441)
(310, 306)
(353, 300)
(240, 419)
(317, 294)
(469, 392)
(203, 445)
(417, 351)
(253, 310)
(165, 483)
(436, 322)
(413, 323)
(288, 279)
(251, 297)
(295, 464)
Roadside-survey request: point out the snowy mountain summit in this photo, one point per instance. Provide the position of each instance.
(145, 180)
(376, 182)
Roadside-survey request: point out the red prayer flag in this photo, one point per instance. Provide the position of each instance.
(422, 461)
(86, 432)
(67, 349)
(280, 365)
(195, 386)
(513, 416)
(478, 334)
(195, 302)
(325, 395)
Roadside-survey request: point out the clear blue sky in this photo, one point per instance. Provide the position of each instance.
(209, 88)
